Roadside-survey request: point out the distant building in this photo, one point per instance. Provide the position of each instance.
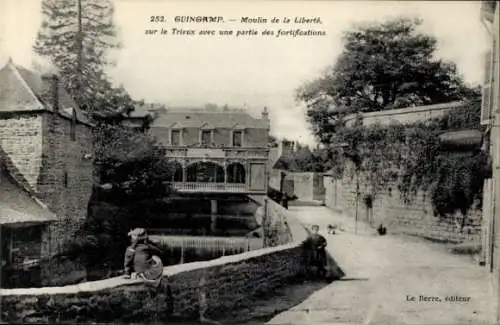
(287, 177)
(46, 143)
(215, 151)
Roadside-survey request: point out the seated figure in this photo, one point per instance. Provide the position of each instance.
(142, 257)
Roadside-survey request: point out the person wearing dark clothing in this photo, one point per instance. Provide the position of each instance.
(284, 201)
(315, 247)
(142, 257)
(381, 230)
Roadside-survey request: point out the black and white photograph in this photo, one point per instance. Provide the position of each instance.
(250, 162)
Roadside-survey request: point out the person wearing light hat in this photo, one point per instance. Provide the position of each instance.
(142, 257)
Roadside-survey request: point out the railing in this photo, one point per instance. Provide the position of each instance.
(209, 187)
(219, 152)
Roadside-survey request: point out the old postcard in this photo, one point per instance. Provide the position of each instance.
(249, 162)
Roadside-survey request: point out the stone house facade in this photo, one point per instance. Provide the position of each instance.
(48, 142)
(215, 151)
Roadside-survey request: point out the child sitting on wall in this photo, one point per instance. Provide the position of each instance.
(142, 258)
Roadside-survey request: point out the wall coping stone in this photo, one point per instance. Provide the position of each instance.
(93, 286)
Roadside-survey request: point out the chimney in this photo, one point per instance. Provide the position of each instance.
(53, 80)
(265, 114)
(265, 117)
(287, 148)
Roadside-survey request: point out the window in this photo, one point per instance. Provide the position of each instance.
(65, 179)
(21, 243)
(237, 138)
(176, 138)
(206, 137)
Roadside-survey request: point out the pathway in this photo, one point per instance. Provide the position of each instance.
(384, 274)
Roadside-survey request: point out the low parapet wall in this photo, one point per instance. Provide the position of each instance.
(187, 290)
(216, 285)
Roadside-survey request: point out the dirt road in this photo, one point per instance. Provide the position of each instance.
(391, 280)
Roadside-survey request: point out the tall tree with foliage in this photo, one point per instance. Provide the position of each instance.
(77, 37)
(386, 66)
(383, 66)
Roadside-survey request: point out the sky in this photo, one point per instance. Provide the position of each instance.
(247, 71)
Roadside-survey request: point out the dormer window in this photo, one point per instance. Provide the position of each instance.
(206, 134)
(237, 138)
(237, 135)
(176, 134)
(175, 138)
(206, 137)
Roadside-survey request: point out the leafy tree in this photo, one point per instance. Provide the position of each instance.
(272, 141)
(132, 173)
(131, 166)
(303, 159)
(386, 66)
(77, 36)
(383, 66)
(130, 163)
(308, 160)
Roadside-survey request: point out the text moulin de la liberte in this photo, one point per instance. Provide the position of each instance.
(186, 25)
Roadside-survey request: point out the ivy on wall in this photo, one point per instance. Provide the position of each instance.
(408, 157)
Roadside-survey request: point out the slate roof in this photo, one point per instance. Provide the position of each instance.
(25, 90)
(190, 118)
(17, 204)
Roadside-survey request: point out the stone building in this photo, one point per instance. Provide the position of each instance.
(24, 227)
(215, 151)
(47, 141)
(220, 157)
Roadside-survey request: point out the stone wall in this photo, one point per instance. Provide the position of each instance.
(40, 147)
(21, 140)
(187, 290)
(65, 182)
(276, 225)
(407, 115)
(414, 218)
(217, 286)
(308, 186)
